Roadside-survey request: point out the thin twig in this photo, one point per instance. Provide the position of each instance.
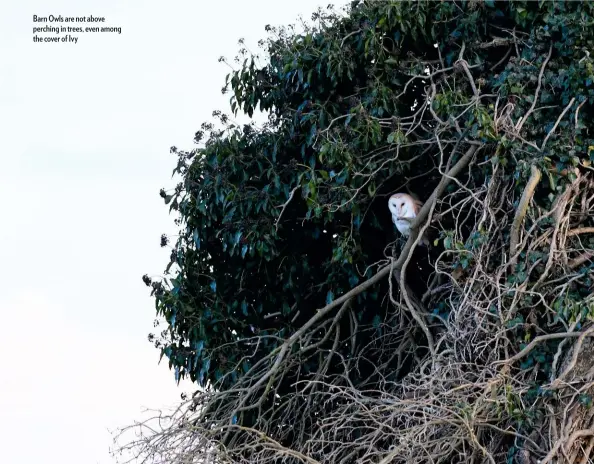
(541, 338)
(576, 351)
(580, 230)
(535, 100)
(552, 131)
(576, 262)
(285, 205)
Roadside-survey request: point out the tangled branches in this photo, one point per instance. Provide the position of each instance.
(483, 358)
(469, 401)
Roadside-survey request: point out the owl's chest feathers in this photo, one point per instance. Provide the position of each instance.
(402, 224)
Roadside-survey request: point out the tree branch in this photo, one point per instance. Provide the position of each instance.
(521, 213)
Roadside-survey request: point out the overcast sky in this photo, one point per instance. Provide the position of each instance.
(85, 131)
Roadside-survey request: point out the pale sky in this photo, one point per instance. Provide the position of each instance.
(85, 132)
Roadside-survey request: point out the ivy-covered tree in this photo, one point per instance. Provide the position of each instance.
(313, 332)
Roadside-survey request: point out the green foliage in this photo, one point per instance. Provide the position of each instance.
(329, 93)
(279, 221)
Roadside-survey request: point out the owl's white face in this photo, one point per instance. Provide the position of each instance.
(400, 206)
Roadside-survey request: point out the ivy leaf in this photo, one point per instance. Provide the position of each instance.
(376, 321)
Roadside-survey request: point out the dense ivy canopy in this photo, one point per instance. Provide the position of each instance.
(280, 222)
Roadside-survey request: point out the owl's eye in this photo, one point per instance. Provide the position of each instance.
(401, 204)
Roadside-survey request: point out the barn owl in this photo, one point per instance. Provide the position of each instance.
(404, 209)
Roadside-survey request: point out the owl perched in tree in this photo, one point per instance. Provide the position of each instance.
(404, 209)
